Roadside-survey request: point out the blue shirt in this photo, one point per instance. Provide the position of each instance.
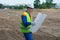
(24, 20)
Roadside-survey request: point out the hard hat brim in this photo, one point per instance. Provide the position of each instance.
(30, 7)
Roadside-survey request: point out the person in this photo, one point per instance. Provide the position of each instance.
(26, 23)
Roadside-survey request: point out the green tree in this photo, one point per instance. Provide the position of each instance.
(36, 3)
(21, 7)
(43, 5)
(49, 3)
(1, 6)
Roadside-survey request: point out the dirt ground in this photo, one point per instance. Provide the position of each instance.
(9, 25)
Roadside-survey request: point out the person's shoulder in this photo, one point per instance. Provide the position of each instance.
(24, 13)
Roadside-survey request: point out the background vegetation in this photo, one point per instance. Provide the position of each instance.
(37, 4)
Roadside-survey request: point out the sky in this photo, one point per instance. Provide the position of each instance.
(12, 2)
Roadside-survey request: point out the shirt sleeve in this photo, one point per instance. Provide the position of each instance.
(24, 20)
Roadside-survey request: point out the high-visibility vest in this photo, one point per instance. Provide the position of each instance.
(24, 29)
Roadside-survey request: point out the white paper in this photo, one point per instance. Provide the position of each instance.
(38, 22)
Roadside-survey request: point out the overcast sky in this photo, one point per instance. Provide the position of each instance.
(11, 2)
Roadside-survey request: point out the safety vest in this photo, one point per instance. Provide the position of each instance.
(24, 29)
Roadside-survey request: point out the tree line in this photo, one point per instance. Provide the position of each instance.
(11, 7)
(47, 4)
(37, 4)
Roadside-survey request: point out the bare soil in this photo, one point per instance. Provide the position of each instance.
(9, 25)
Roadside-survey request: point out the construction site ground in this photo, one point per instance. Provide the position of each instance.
(10, 22)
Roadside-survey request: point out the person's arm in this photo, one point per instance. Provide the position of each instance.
(24, 20)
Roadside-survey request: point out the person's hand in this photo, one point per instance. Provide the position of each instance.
(33, 23)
